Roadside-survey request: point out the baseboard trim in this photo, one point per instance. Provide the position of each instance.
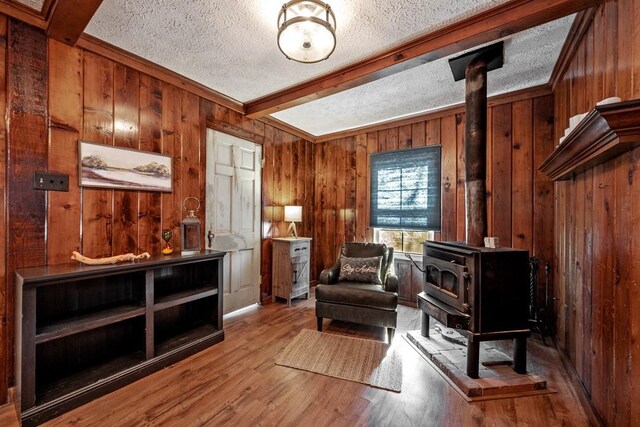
(8, 410)
(579, 389)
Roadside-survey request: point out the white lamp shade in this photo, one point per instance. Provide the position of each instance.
(293, 213)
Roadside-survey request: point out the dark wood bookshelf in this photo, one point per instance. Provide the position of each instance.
(194, 334)
(87, 322)
(84, 331)
(76, 382)
(606, 132)
(184, 297)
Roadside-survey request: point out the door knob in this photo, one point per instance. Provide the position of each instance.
(210, 237)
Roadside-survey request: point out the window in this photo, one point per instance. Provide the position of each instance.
(405, 196)
(402, 241)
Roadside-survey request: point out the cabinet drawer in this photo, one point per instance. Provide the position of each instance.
(300, 249)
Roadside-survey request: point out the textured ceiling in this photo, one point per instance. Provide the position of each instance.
(230, 46)
(529, 59)
(34, 4)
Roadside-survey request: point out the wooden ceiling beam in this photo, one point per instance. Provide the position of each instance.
(63, 20)
(68, 19)
(509, 18)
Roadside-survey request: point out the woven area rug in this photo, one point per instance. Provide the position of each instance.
(354, 359)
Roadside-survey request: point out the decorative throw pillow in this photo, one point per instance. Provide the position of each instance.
(360, 269)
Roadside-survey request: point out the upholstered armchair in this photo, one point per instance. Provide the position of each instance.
(353, 291)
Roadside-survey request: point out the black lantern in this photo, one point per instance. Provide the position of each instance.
(190, 229)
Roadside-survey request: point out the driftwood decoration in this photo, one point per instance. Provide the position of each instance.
(109, 260)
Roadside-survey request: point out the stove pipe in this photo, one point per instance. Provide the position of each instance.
(473, 67)
(475, 152)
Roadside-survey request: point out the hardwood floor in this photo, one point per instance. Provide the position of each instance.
(237, 383)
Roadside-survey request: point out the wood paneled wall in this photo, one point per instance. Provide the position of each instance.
(56, 95)
(597, 220)
(4, 285)
(520, 203)
(287, 180)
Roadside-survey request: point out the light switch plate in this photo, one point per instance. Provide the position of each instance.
(50, 181)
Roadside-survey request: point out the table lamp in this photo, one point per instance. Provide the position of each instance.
(293, 214)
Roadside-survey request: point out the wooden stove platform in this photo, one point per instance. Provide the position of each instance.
(497, 380)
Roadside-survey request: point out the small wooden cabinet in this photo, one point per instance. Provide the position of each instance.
(84, 331)
(410, 280)
(291, 259)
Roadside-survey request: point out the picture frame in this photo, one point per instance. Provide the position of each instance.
(107, 166)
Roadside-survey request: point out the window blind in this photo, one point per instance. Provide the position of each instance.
(405, 189)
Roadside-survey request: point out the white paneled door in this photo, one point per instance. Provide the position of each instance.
(233, 214)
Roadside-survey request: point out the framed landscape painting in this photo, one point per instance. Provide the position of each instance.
(107, 166)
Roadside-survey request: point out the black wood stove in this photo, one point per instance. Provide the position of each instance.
(482, 292)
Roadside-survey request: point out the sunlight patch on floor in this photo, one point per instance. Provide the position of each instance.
(241, 311)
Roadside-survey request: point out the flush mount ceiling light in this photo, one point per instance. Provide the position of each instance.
(306, 30)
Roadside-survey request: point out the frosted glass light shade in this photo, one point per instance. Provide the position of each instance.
(293, 213)
(306, 30)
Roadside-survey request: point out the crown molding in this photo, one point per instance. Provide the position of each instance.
(97, 46)
(272, 121)
(519, 95)
(576, 33)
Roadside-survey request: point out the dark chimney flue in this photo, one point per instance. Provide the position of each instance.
(473, 67)
(475, 152)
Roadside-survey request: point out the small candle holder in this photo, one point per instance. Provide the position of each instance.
(167, 235)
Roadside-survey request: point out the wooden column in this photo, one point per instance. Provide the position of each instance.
(26, 118)
(475, 151)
